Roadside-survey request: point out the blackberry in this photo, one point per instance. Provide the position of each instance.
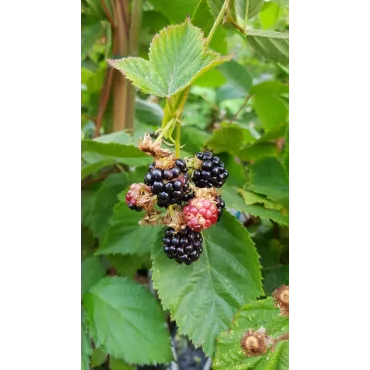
(212, 172)
(220, 206)
(184, 246)
(170, 185)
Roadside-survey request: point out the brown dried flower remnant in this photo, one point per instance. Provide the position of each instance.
(255, 343)
(153, 148)
(281, 297)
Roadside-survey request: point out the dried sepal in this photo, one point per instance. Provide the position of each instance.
(146, 198)
(165, 163)
(207, 193)
(153, 148)
(152, 217)
(281, 298)
(175, 218)
(194, 163)
(255, 343)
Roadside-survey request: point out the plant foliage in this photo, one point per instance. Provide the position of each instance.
(200, 75)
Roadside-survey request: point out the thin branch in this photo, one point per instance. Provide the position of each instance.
(104, 97)
(231, 20)
(125, 16)
(216, 23)
(240, 109)
(107, 13)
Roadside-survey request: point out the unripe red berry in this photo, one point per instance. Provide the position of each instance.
(132, 196)
(200, 214)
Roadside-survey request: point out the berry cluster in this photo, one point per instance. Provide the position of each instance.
(187, 189)
(170, 185)
(184, 246)
(212, 172)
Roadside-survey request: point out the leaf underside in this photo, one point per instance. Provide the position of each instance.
(270, 44)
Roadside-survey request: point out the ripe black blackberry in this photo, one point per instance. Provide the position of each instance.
(184, 246)
(220, 207)
(170, 185)
(212, 172)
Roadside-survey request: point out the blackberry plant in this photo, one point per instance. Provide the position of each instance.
(187, 257)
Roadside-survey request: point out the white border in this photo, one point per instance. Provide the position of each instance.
(40, 185)
(329, 184)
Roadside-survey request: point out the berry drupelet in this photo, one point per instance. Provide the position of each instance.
(184, 246)
(132, 196)
(170, 185)
(212, 172)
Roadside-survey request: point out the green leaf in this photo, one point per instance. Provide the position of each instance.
(252, 316)
(271, 110)
(88, 169)
(89, 35)
(193, 138)
(286, 151)
(274, 277)
(228, 138)
(203, 297)
(238, 177)
(270, 14)
(105, 199)
(212, 78)
(233, 200)
(270, 44)
(87, 202)
(98, 357)
(202, 18)
(176, 59)
(177, 10)
(237, 76)
(257, 150)
(229, 92)
(276, 133)
(125, 236)
(92, 270)
(271, 87)
(120, 137)
(115, 364)
(127, 321)
(121, 153)
(127, 265)
(252, 198)
(268, 177)
(238, 9)
(86, 350)
(148, 113)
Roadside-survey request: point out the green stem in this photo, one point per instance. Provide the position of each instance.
(176, 103)
(246, 14)
(178, 139)
(217, 22)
